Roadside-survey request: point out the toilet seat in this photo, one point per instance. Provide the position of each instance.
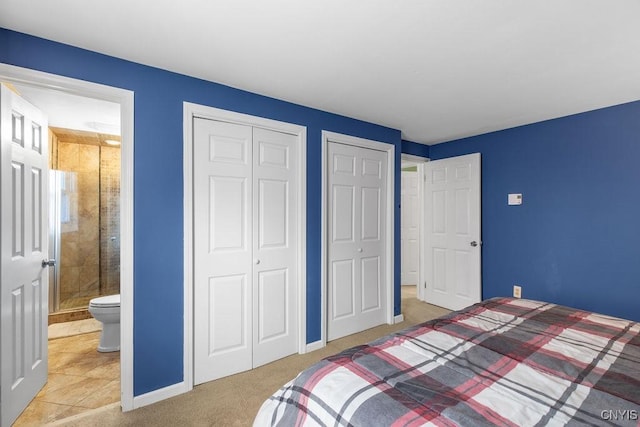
(106, 302)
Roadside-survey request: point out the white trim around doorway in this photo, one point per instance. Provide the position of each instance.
(390, 149)
(191, 111)
(125, 98)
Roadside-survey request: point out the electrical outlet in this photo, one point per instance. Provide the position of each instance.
(517, 291)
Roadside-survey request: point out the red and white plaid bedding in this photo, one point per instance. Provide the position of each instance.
(508, 362)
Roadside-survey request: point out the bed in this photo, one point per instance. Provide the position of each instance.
(504, 361)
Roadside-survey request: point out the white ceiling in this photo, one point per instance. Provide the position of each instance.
(435, 69)
(69, 111)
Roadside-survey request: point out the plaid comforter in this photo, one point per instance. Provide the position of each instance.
(508, 362)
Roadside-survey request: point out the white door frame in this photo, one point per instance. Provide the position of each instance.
(190, 111)
(123, 97)
(390, 149)
(419, 161)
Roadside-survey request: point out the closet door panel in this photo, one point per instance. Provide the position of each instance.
(273, 214)
(245, 252)
(274, 245)
(357, 186)
(223, 333)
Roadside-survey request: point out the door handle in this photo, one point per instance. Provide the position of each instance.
(256, 261)
(359, 249)
(474, 243)
(48, 263)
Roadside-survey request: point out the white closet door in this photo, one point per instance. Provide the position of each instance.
(245, 248)
(356, 253)
(222, 249)
(275, 318)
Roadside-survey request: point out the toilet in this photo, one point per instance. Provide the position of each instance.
(107, 310)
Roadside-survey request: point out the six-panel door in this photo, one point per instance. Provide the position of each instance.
(452, 231)
(245, 301)
(410, 227)
(24, 281)
(356, 252)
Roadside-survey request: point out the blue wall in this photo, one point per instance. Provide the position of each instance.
(158, 202)
(575, 240)
(414, 148)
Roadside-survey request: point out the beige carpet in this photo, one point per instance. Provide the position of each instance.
(235, 400)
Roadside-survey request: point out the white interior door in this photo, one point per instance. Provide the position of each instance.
(410, 225)
(24, 239)
(245, 222)
(222, 294)
(452, 232)
(356, 234)
(275, 318)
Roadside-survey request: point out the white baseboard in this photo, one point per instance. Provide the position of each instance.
(317, 345)
(160, 394)
(399, 318)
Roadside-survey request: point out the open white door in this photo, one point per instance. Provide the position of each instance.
(24, 280)
(452, 232)
(410, 225)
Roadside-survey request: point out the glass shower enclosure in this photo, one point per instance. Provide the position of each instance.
(83, 239)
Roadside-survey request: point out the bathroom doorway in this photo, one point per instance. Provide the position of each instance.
(84, 141)
(84, 198)
(113, 236)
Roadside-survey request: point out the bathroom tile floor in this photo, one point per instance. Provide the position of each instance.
(80, 379)
(77, 327)
(71, 303)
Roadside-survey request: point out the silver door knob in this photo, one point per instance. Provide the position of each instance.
(48, 263)
(256, 261)
(474, 243)
(359, 249)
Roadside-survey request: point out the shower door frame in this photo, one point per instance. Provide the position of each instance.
(54, 240)
(14, 74)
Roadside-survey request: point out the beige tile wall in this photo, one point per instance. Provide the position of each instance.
(90, 240)
(110, 220)
(80, 240)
